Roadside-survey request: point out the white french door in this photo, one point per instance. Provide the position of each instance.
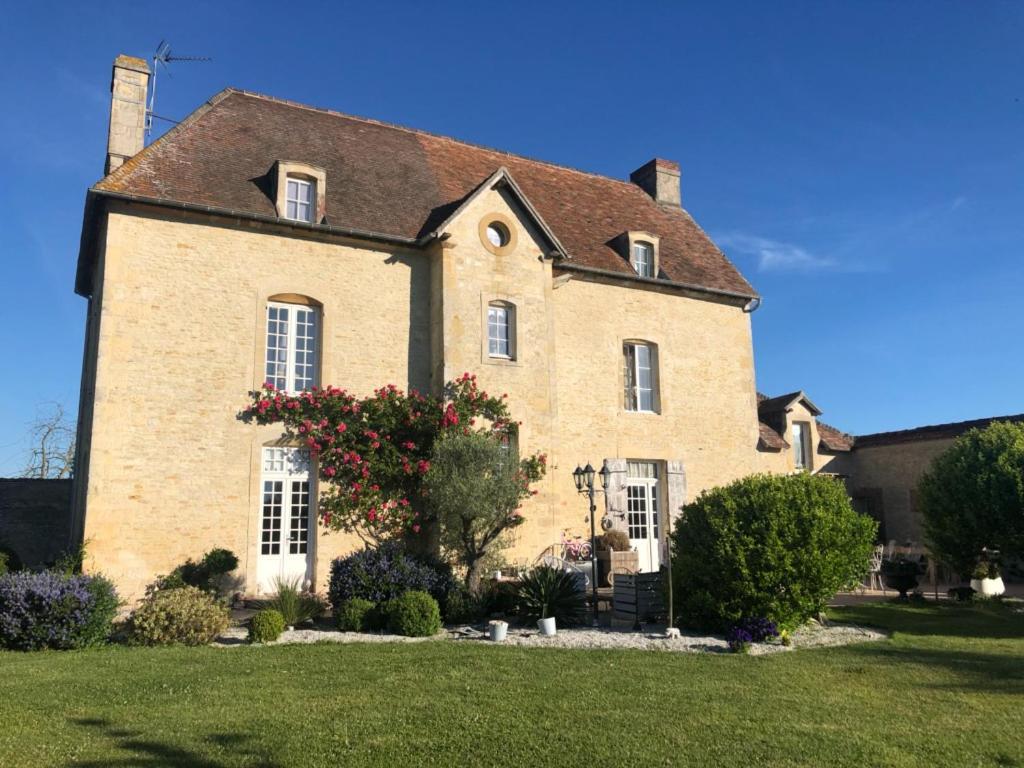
(286, 520)
(642, 513)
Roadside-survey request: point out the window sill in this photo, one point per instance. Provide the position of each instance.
(491, 360)
(641, 413)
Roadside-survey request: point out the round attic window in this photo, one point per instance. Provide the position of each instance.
(497, 234)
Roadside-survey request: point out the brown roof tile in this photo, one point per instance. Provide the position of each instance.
(400, 182)
(931, 432)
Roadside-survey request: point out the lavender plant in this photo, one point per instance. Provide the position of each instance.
(55, 610)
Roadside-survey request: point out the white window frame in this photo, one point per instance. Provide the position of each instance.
(290, 199)
(633, 372)
(496, 310)
(298, 318)
(644, 266)
(801, 431)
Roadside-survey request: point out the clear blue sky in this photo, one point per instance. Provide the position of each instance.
(861, 162)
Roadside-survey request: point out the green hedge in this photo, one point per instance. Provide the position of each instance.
(767, 546)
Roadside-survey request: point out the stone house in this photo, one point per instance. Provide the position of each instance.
(262, 239)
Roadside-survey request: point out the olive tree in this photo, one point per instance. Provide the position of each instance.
(972, 496)
(475, 487)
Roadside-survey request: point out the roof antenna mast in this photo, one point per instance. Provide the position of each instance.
(163, 57)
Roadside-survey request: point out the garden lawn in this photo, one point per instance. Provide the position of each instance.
(947, 690)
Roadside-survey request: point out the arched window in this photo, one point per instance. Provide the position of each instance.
(501, 330)
(640, 364)
(293, 344)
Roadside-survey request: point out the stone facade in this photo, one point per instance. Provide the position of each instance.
(35, 519)
(176, 340)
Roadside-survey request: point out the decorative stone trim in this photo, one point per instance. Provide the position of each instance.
(513, 236)
(285, 168)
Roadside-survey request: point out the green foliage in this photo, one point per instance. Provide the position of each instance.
(295, 605)
(100, 621)
(355, 615)
(494, 598)
(615, 540)
(545, 592)
(972, 497)
(208, 574)
(183, 615)
(266, 626)
(414, 614)
(372, 453)
(772, 546)
(70, 561)
(9, 561)
(475, 488)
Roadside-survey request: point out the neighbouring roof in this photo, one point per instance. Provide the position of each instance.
(401, 183)
(770, 408)
(931, 432)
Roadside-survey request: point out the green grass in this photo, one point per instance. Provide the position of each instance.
(945, 691)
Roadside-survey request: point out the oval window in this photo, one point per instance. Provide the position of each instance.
(497, 234)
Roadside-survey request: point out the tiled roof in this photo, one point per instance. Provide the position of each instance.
(931, 432)
(769, 422)
(769, 439)
(402, 183)
(834, 439)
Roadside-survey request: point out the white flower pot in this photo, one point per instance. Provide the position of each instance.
(498, 631)
(988, 587)
(547, 626)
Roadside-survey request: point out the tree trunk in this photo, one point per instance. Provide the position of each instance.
(473, 575)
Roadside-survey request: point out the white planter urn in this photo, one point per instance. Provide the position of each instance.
(547, 626)
(988, 587)
(498, 631)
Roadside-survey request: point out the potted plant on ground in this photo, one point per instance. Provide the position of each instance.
(615, 555)
(987, 580)
(901, 574)
(551, 595)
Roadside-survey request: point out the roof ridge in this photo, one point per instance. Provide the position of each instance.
(431, 134)
(1014, 417)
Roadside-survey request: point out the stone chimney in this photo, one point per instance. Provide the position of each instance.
(127, 133)
(659, 179)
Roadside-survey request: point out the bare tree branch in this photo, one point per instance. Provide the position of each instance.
(52, 450)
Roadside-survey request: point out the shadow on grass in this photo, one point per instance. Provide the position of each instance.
(147, 752)
(968, 671)
(988, 620)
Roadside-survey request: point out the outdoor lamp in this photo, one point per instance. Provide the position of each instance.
(577, 475)
(606, 476)
(588, 475)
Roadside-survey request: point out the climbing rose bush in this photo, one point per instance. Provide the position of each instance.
(372, 453)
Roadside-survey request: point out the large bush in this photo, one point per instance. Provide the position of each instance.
(972, 497)
(385, 572)
(414, 614)
(54, 610)
(181, 616)
(769, 546)
(210, 574)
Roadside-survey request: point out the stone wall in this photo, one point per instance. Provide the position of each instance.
(35, 519)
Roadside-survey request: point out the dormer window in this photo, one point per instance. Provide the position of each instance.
(301, 192)
(643, 258)
(300, 199)
(640, 249)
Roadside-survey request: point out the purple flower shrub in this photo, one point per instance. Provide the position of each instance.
(386, 572)
(747, 631)
(55, 610)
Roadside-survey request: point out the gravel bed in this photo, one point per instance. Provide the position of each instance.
(652, 639)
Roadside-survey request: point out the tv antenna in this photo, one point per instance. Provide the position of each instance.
(163, 57)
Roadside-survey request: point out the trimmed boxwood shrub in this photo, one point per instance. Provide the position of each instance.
(355, 615)
(55, 610)
(266, 626)
(772, 546)
(384, 573)
(414, 614)
(181, 616)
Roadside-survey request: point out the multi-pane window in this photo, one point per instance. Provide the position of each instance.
(500, 330)
(801, 445)
(643, 259)
(639, 377)
(300, 195)
(291, 347)
(285, 518)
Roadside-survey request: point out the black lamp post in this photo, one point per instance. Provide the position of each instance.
(584, 479)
